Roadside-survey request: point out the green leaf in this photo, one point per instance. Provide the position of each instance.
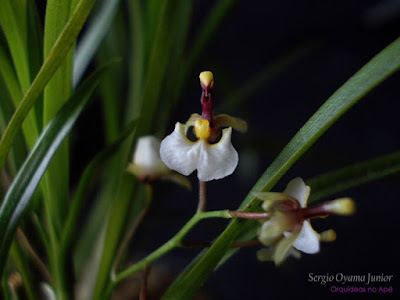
(55, 185)
(90, 171)
(35, 53)
(9, 77)
(379, 68)
(14, 89)
(52, 62)
(92, 37)
(18, 150)
(25, 270)
(12, 20)
(24, 185)
(342, 179)
(34, 39)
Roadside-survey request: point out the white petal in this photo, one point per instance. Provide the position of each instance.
(298, 190)
(218, 160)
(179, 153)
(147, 155)
(307, 241)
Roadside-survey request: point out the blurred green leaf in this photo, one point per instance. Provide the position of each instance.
(90, 171)
(21, 190)
(375, 71)
(113, 87)
(14, 89)
(35, 53)
(25, 270)
(55, 184)
(91, 39)
(18, 150)
(34, 39)
(144, 107)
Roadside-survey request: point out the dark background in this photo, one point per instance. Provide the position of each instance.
(343, 36)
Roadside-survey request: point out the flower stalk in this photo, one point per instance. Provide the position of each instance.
(173, 243)
(202, 196)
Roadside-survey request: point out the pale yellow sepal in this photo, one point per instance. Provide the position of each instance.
(224, 120)
(284, 247)
(270, 197)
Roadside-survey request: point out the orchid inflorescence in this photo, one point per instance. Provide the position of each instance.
(285, 226)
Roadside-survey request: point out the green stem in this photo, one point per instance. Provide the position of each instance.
(168, 246)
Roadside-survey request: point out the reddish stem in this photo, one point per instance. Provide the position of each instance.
(315, 211)
(249, 215)
(202, 196)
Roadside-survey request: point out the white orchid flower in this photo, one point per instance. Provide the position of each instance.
(212, 161)
(289, 225)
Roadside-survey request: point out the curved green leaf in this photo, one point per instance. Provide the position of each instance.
(378, 69)
(24, 185)
(342, 179)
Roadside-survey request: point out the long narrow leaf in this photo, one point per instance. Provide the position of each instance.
(339, 180)
(24, 185)
(53, 61)
(374, 72)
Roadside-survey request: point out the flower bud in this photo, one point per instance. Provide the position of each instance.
(147, 155)
(147, 165)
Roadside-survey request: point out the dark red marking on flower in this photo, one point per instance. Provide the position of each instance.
(207, 101)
